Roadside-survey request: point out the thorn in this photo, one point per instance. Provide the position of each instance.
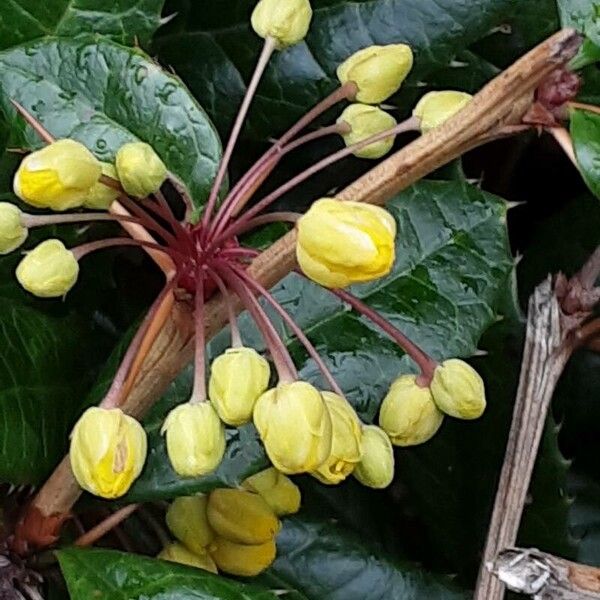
(499, 318)
(17, 150)
(37, 126)
(458, 64)
(388, 107)
(510, 204)
(505, 28)
(479, 352)
(167, 19)
(421, 84)
(518, 258)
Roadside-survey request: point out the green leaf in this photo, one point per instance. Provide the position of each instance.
(213, 48)
(122, 20)
(104, 95)
(110, 575)
(324, 562)
(585, 132)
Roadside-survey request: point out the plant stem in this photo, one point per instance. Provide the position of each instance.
(294, 327)
(100, 530)
(84, 249)
(274, 217)
(41, 220)
(423, 360)
(265, 55)
(199, 390)
(236, 338)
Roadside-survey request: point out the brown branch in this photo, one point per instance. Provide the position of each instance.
(545, 577)
(501, 103)
(100, 530)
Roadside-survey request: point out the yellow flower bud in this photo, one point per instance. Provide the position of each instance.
(178, 553)
(341, 242)
(294, 426)
(436, 107)
(108, 451)
(140, 169)
(242, 517)
(238, 377)
(367, 121)
(100, 196)
(242, 559)
(408, 413)
(277, 490)
(195, 439)
(12, 231)
(458, 389)
(376, 468)
(346, 438)
(187, 521)
(378, 71)
(286, 21)
(58, 176)
(49, 270)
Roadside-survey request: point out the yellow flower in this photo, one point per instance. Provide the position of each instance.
(12, 230)
(458, 389)
(378, 71)
(58, 176)
(408, 413)
(242, 559)
(238, 377)
(277, 490)
(376, 468)
(346, 438)
(108, 451)
(367, 121)
(342, 242)
(140, 169)
(187, 521)
(195, 439)
(242, 517)
(178, 553)
(436, 107)
(100, 196)
(285, 21)
(295, 427)
(49, 270)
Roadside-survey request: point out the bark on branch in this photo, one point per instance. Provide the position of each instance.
(500, 103)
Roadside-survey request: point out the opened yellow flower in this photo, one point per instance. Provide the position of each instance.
(458, 389)
(376, 468)
(245, 560)
(12, 230)
(341, 242)
(49, 270)
(346, 436)
(285, 21)
(294, 426)
(242, 517)
(187, 521)
(195, 439)
(365, 122)
(140, 170)
(237, 378)
(408, 413)
(178, 553)
(436, 107)
(58, 176)
(277, 490)
(101, 196)
(108, 451)
(378, 71)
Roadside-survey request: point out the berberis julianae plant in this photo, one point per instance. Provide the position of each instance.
(340, 243)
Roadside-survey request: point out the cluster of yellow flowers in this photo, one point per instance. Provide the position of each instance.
(232, 530)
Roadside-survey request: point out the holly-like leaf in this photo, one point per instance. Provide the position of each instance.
(104, 95)
(107, 575)
(585, 131)
(124, 21)
(213, 48)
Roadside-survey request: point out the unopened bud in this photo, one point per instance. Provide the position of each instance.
(378, 71)
(101, 196)
(242, 517)
(178, 553)
(436, 107)
(277, 490)
(243, 560)
(376, 468)
(187, 521)
(458, 389)
(49, 270)
(141, 171)
(365, 122)
(12, 231)
(408, 413)
(286, 21)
